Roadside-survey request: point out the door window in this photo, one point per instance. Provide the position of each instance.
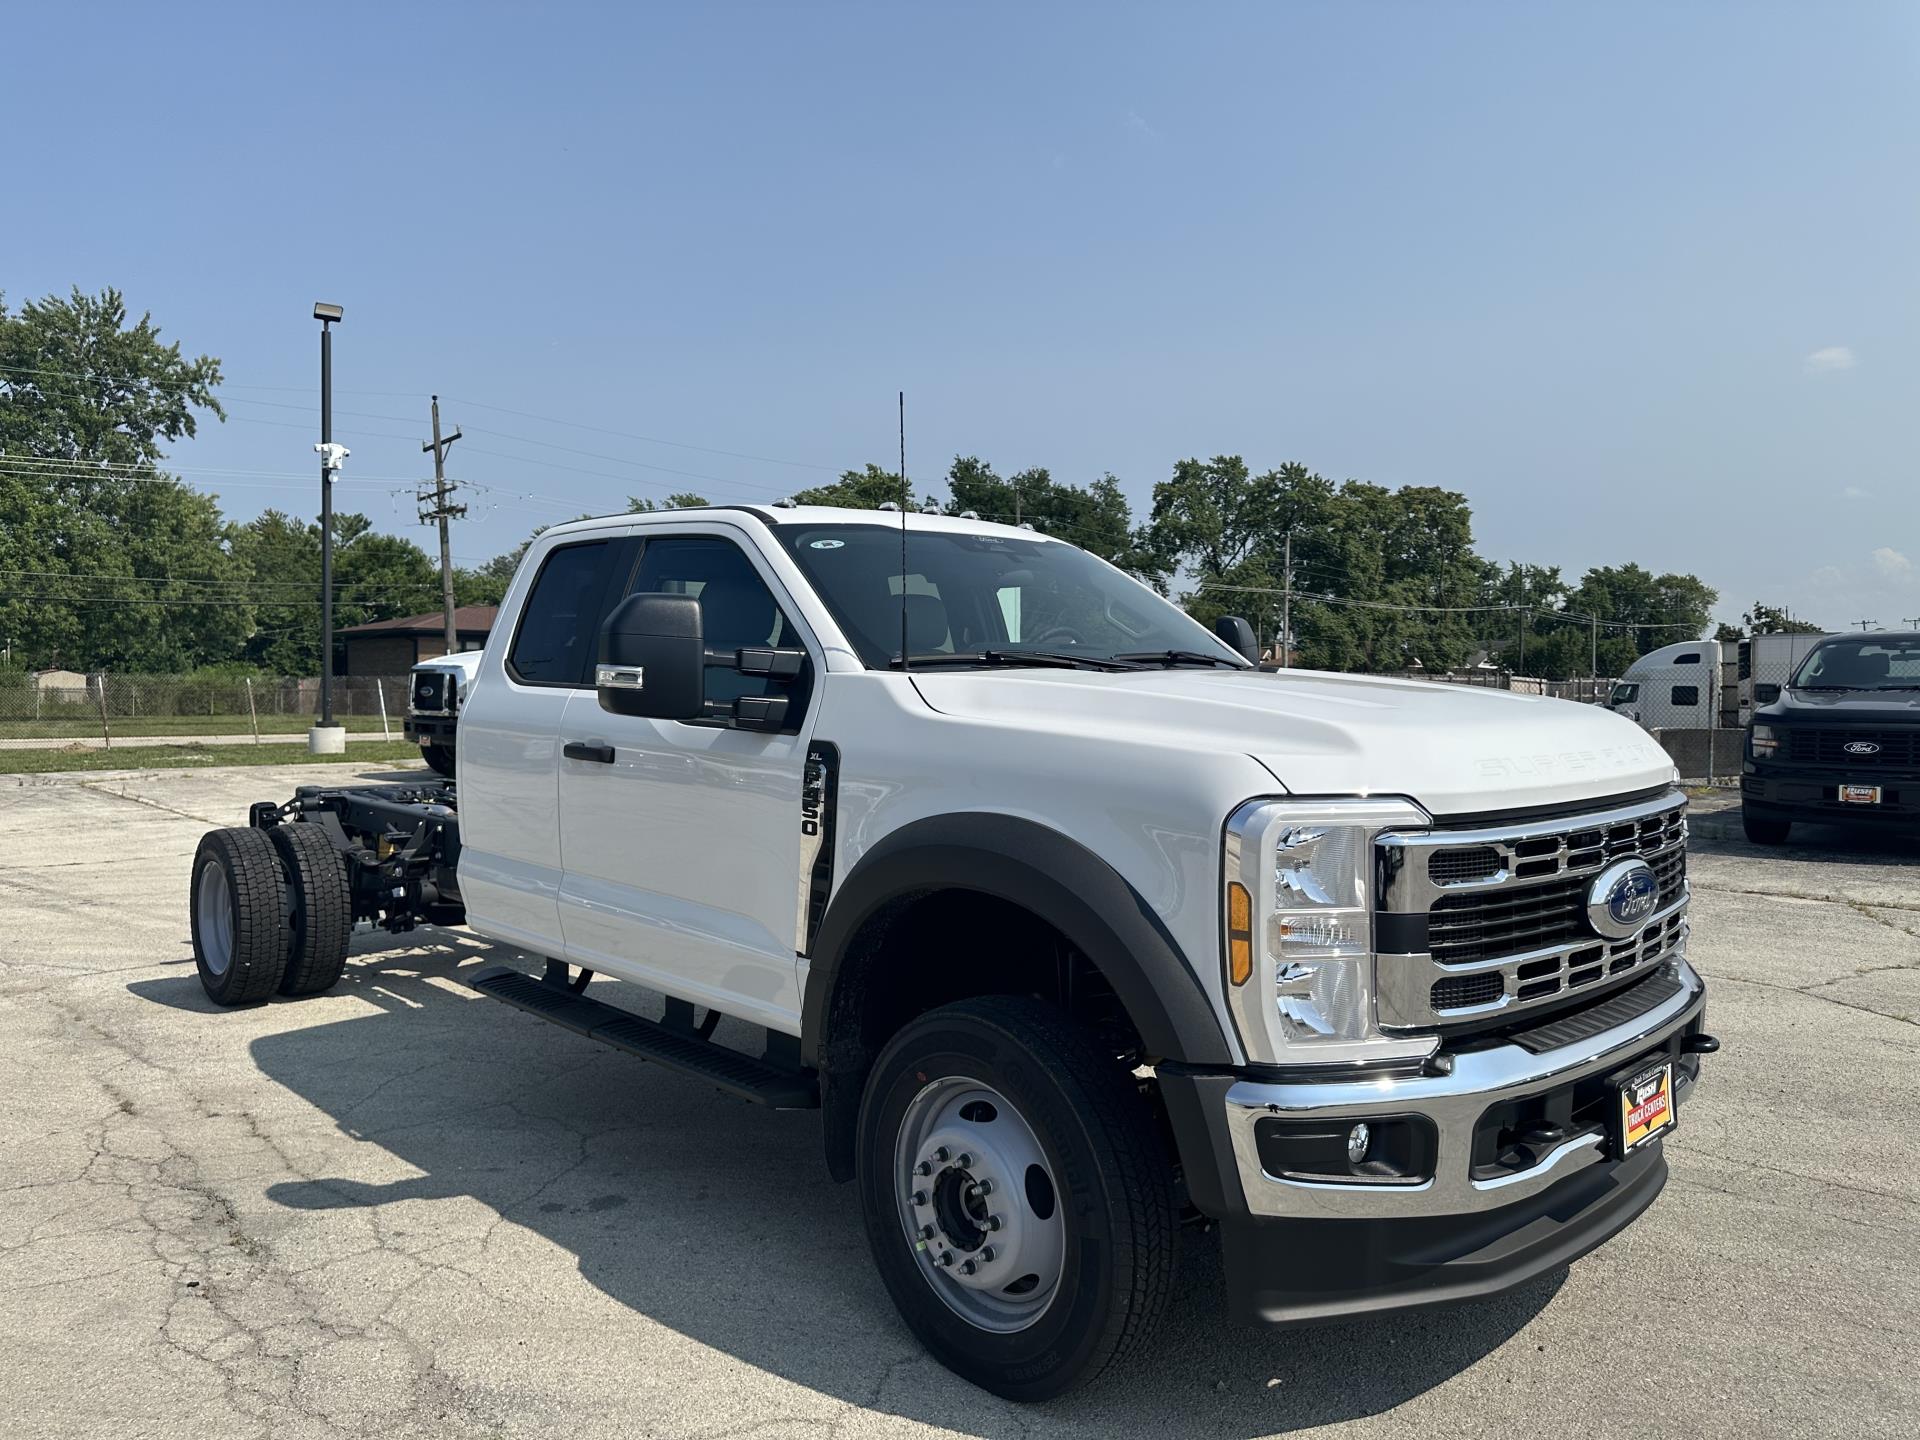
(555, 641)
(737, 610)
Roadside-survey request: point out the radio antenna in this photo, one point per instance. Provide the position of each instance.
(906, 492)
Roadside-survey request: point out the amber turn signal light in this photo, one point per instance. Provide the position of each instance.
(1239, 933)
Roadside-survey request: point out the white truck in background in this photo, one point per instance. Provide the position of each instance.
(1074, 926)
(436, 689)
(1674, 687)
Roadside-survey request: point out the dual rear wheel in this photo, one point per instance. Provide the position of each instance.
(272, 912)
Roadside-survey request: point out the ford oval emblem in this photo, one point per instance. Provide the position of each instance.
(1861, 747)
(1622, 897)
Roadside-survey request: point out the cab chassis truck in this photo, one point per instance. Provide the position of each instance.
(1087, 936)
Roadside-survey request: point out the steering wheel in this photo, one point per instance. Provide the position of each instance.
(1060, 635)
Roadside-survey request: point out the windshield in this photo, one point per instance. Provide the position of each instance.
(1625, 694)
(973, 593)
(1879, 662)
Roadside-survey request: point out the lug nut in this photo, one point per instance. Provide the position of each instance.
(943, 1259)
(967, 1267)
(942, 1154)
(918, 1197)
(963, 1159)
(923, 1168)
(983, 1187)
(993, 1222)
(987, 1253)
(927, 1232)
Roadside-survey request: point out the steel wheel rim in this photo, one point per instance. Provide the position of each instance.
(979, 1205)
(213, 907)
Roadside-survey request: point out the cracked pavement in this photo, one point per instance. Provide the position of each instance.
(402, 1210)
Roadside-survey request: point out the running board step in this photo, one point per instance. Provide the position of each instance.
(736, 1074)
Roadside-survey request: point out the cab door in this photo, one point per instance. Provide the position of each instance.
(681, 840)
(509, 737)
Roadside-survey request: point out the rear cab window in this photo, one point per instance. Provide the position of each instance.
(554, 641)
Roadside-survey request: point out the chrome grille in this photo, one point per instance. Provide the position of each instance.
(1505, 911)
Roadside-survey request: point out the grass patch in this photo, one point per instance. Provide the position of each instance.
(57, 726)
(199, 757)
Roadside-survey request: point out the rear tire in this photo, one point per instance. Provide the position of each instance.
(237, 899)
(1080, 1197)
(1764, 832)
(322, 918)
(439, 757)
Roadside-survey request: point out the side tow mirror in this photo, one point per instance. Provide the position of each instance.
(653, 659)
(1239, 636)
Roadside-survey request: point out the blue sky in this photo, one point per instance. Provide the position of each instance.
(1641, 280)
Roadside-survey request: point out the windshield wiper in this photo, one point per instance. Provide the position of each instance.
(1046, 659)
(1170, 658)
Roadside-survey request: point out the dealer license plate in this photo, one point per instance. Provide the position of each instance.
(1646, 1106)
(1859, 794)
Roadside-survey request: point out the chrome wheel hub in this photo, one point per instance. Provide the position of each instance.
(213, 902)
(979, 1204)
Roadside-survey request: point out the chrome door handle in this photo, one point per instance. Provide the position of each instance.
(580, 750)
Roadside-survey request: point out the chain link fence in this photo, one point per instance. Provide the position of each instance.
(65, 708)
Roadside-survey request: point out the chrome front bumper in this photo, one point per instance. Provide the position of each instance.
(1454, 1104)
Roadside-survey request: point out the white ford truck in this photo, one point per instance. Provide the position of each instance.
(1074, 924)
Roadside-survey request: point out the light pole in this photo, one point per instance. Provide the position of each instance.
(327, 738)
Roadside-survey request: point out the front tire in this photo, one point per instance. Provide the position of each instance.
(237, 899)
(1764, 832)
(439, 757)
(1061, 1263)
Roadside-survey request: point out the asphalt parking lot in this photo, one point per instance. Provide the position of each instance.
(402, 1209)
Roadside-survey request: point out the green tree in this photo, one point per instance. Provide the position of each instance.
(1767, 620)
(1095, 517)
(865, 489)
(679, 500)
(105, 560)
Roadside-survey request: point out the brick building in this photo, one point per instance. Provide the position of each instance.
(392, 647)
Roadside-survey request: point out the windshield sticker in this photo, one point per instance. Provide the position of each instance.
(826, 544)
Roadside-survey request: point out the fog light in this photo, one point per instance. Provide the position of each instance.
(1358, 1139)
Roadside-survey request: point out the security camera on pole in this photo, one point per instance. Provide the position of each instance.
(327, 738)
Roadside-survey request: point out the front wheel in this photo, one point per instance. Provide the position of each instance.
(1764, 832)
(439, 757)
(1017, 1195)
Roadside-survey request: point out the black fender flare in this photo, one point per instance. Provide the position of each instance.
(1041, 870)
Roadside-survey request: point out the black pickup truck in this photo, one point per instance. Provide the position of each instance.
(1841, 744)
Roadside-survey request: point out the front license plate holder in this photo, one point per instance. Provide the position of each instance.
(1859, 795)
(1643, 1106)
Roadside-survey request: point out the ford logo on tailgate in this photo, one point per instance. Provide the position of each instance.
(1861, 747)
(1622, 897)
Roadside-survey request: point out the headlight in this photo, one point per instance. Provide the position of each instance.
(1299, 929)
(1764, 741)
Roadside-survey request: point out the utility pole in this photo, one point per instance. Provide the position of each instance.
(1593, 661)
(1867, 624)
(1286, 610)
(1526, 621)
(441, 511)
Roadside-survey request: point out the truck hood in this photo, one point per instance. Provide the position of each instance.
(1843, 707)
(1454, 749)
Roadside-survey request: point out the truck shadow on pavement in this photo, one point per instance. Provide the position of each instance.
(717, 1219)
